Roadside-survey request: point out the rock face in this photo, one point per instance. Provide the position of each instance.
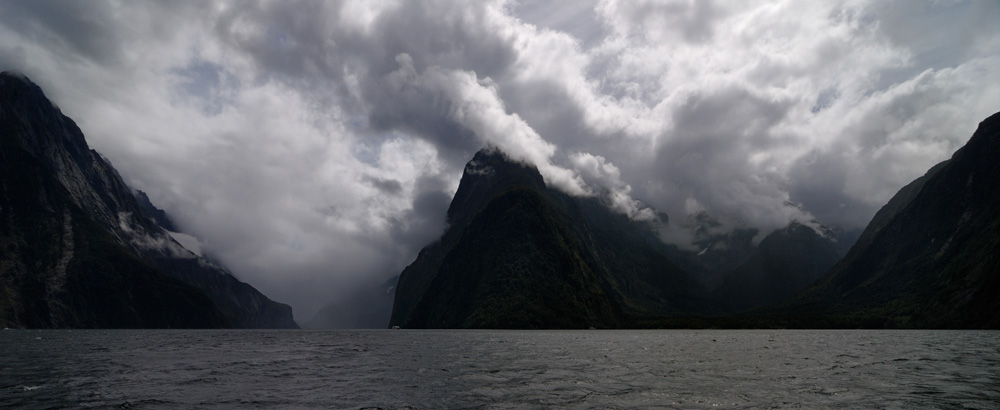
(519, 255)
(930, 257)
(78, 249)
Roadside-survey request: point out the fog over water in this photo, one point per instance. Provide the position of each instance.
(166, 369)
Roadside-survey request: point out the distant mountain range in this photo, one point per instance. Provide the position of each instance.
(80, 249)
(520, 255)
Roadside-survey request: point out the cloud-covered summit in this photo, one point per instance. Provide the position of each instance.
(314, 146)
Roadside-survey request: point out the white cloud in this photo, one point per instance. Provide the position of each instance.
(606, 176)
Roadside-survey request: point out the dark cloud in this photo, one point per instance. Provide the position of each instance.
(425, 220)
(76, 30)
(420, 111)
(387, 186)
(318, 50)
(820, 178)
(970, 29)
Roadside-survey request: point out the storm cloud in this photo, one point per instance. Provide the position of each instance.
(313, 147)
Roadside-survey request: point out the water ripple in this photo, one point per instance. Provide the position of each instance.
(499, 369)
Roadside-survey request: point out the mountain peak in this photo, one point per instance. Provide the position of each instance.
(490, 172)
(990, 123)
(15, 75)
(42, 130)
(14, 82)
(489, 159)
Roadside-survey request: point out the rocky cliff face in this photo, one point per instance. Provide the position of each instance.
(930, 257)
(78, 245)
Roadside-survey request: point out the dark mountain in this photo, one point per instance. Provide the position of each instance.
(782, 265)
(719, 253)
(79, 249)
(519, 255)
(930, 257)
(739, 271)
(369, 308)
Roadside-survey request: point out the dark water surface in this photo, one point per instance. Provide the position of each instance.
(499, 369)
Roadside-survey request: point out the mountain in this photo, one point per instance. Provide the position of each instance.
(785, 262)
(719, 253)
(743, 274)
(519, 255)
(78, 248)
(929, 258)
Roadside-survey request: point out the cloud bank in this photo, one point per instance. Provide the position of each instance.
(313, 147)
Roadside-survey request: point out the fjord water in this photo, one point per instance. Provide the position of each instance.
(499, 369)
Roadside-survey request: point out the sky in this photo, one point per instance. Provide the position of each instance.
(313, 147)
